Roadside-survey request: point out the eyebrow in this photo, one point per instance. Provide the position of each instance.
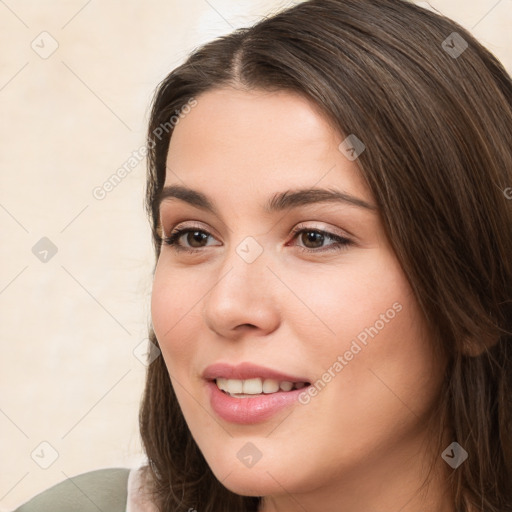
(278, 202)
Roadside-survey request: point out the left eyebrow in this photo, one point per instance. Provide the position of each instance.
(278, 202)
(296, 198)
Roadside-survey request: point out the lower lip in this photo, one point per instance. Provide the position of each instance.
(245, 411)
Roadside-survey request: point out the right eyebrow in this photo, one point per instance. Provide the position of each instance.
(191, 196)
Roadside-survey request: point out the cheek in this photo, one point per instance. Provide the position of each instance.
(342, 302)
(174, 312)
(386, 351)
(369, 336)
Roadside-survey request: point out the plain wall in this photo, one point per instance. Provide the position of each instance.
(70, 119)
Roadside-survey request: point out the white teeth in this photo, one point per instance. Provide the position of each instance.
(252, 386)
(270, 386)
(286, 385)
(255, 386)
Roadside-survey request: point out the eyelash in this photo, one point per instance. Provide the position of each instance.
(340, 241)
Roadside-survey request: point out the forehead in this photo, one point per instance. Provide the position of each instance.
(257, 142)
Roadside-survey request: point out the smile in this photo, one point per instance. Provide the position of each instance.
(257, 386)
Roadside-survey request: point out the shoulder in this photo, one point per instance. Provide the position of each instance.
(104, 489)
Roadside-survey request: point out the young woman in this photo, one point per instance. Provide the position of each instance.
(330, 198)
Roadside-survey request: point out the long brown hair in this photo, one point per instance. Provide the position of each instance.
(434, 110)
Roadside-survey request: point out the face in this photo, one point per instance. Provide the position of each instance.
(305, 286)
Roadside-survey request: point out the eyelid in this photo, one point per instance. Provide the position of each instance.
(192, 224)
(327, 229)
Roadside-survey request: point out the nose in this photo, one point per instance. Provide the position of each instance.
(243, 298)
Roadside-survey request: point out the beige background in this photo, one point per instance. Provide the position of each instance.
(69, 326)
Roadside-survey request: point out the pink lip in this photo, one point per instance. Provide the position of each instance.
(245, 371)
(245, 411)
(256, 409)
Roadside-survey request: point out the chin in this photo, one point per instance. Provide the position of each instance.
(249, 482)
(262, 479)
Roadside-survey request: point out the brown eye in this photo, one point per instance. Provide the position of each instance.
(312, 239)
(196, 238)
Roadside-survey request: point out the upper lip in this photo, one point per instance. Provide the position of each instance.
(245, 371)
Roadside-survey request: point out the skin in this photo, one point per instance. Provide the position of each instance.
(360, 443)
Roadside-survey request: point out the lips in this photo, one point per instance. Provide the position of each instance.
(244, 371)
(247, 409)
